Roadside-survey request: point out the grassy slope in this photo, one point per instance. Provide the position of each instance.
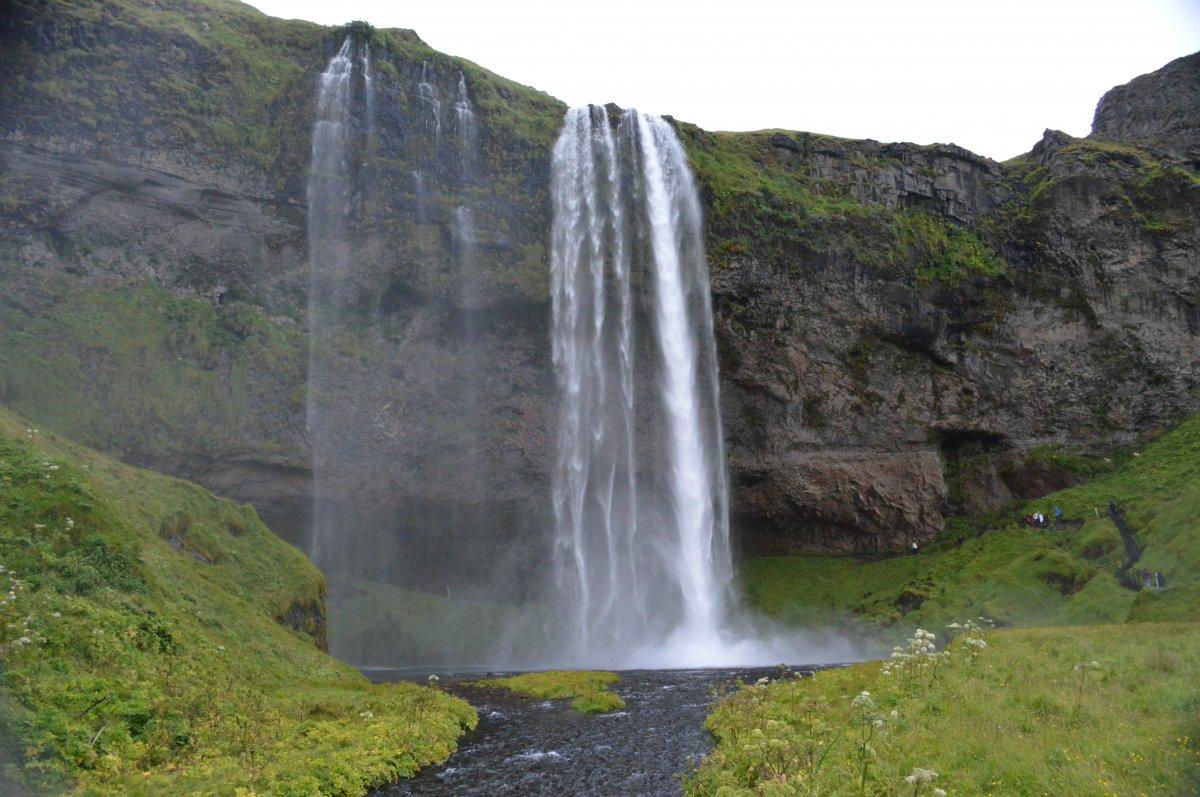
(1020, 576)
(141, 651)
(1014, 720)
(588, 689)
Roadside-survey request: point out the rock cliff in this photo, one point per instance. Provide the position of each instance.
(905, 331)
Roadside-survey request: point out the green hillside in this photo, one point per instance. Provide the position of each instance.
(156, 639)
(1016, 575)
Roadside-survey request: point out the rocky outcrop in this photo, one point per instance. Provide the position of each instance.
(904, 331)
(1157, 110)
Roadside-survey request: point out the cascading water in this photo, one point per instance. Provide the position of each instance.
(369, 91)
(430, 104)
(336, 138)
(465, 132)
(329, 193)
(643, 568)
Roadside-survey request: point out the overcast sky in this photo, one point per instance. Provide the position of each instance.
(988, 76)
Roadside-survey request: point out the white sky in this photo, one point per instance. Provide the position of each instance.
(988, 76)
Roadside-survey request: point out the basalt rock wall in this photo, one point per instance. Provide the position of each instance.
(904, 331)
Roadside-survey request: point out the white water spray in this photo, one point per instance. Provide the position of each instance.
(642, 535)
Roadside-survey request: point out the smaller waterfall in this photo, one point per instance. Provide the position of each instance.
(464, 112)
(369, 91)
(421, 193)
(430, 104)
(329, 192)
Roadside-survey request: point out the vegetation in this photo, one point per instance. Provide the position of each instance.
(144, 650)
(137, 367)
(1017, 575)
(1100, 710)
(760, 202)
(588, 690)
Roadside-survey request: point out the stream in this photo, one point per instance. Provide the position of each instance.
(526, 746)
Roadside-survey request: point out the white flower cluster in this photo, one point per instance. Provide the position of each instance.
(23, 632)
(917, 654)
(1087, 665)
(863, 700)
(923, 777)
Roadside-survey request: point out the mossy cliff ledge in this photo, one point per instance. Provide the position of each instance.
(904, 330)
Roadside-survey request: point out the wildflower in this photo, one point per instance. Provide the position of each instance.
(878, 723)
(56, 615)
(366, 715)
(863, 700)
(433, 679)
(894, 714)
(939, 793)
(70, 523)
(763, 681)
(220, 647)
(920, 777)
(24, 640)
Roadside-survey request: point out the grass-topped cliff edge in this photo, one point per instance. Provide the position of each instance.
(144, 650)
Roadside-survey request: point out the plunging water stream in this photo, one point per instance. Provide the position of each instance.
(329, 193)
(640, 497)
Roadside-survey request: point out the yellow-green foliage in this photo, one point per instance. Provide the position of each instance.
(140, 648)
(590, 689)
(1015, 717)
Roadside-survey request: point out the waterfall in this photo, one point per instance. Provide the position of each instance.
(430, 104)
(642, 559)
(465, 131)
(369, 91)
(330, 193)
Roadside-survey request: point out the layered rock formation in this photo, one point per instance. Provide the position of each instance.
(905, 331)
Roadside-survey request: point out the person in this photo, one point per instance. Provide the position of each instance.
(915, 550)
(1058, 514)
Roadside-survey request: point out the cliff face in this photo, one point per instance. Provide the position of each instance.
(904, 331)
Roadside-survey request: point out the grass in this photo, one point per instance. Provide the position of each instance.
(1019, 576)
(1015, 717)
(757, 203)
(588, 690)
(144, 650)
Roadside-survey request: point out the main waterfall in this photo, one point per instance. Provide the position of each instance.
(643, 566)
